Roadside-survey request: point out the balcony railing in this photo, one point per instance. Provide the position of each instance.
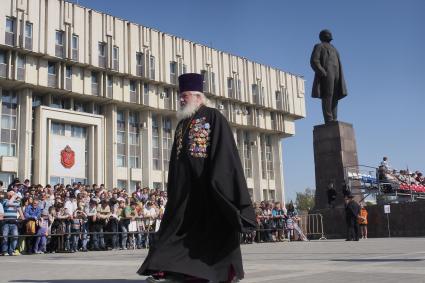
(52, 80)
(20, 74)
(140, 70)
(28, 43)
(3, 70)
(10, 38)
(109, 92)
(133, 97)
(68, 84)
(279, 104)
(102, 61)
(115, 65)
(59, 51)
(74, 54)
(167, 103)
(94, 89)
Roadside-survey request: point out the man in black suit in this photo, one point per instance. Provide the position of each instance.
(352, 211)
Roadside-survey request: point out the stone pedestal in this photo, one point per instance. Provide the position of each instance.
(334, 149)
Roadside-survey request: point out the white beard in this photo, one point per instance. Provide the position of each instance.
(186, 111)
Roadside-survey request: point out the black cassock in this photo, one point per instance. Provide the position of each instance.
(208, 203)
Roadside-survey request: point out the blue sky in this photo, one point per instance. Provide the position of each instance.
(382, 49)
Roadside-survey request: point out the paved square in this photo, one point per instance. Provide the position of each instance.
(372, 260)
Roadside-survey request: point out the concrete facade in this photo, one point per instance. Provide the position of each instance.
(64, 63)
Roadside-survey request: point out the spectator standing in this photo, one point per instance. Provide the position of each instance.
(42, 233)
(278, 220)
(124, 222)
(32, 216)
(363, 221)
(102, 217)
(12, 212)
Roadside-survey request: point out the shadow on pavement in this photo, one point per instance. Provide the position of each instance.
(378, 259)
(81, 281)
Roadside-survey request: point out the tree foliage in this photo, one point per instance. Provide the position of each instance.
(305, 200)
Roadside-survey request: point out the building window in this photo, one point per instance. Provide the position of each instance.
(145, 88)
(205, 86)
(255, 94)
(109, 85)
(59, 50)
(140, 64)
(156, 154)
(20, 72)
(269, 158)
(10, 25)
(102, 54)
(68, 77)
(80, 106)
(78, 132)
(121, 184)
(74, 47)
(152, 67)
(115, 58)
(166, 95)
(52, 77)
(8, 136)
(166, 141)
(58, 102)
(94, 83)
(28, 36)
(230, 87)
(3, 64)
(134, 140)
(121, 139)
(10, 31)
(133, 91)
(239, 89)
(279, 104)
(247, 161)
(173, 72)
(263, 157)
(212, 82)
(58, 128)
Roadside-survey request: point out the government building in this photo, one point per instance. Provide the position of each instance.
(88, 97)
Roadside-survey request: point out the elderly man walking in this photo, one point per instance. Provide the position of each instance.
(208, 200)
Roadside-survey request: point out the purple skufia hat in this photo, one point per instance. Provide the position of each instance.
(191, 82)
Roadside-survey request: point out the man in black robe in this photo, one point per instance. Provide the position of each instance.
(208, 201)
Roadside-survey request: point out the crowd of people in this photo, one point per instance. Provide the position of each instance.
(38, 219)
(387, 173)
(275, 223)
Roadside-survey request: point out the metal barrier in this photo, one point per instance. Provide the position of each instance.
(312, 225)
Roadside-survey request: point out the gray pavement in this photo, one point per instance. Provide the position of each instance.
(371, 260)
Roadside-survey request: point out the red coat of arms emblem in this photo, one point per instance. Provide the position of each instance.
(67, 157)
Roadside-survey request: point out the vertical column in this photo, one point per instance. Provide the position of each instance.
(256, 165)
(24, 133)
(146, 121)
(278, 170)
(92, 156)
(127, 149)
(110, 144)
